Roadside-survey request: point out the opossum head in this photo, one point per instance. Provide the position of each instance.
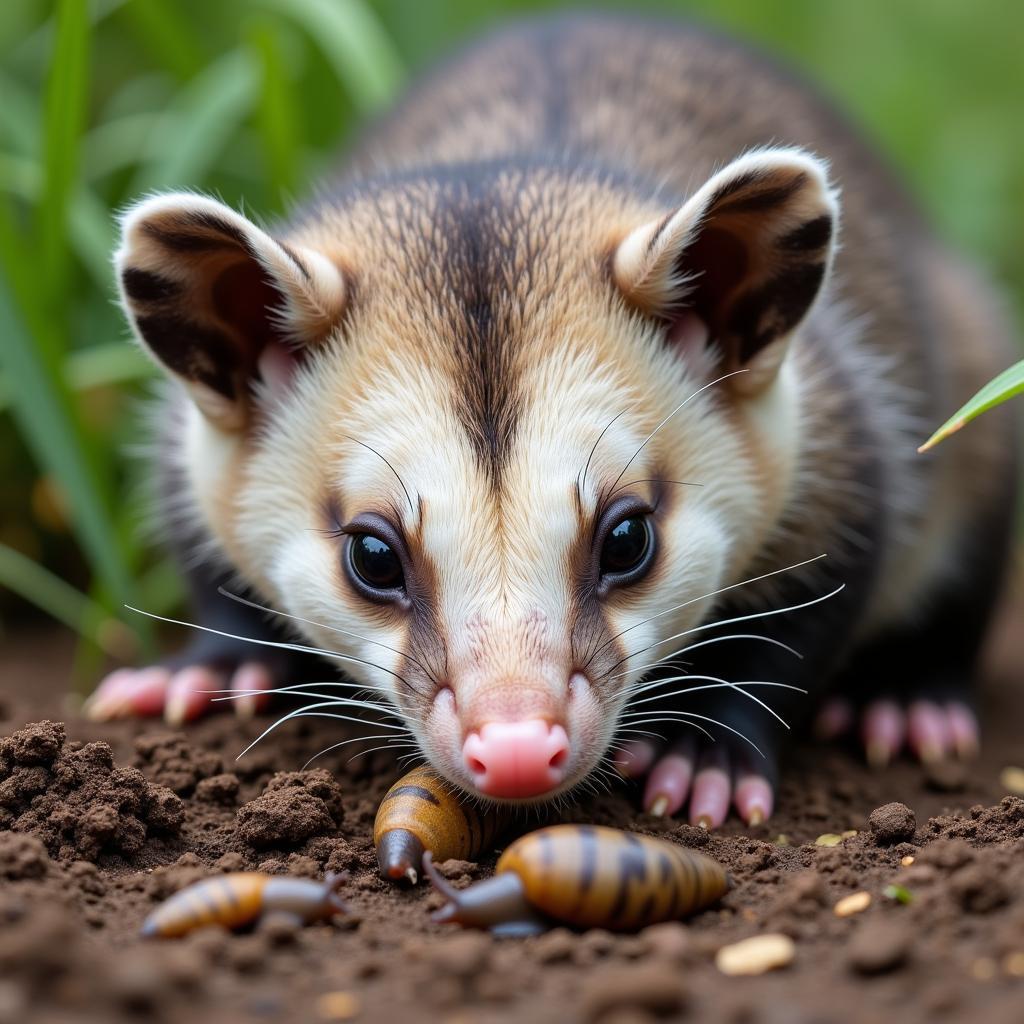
(495, 437)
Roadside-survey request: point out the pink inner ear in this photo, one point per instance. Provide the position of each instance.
(689, 334)
(277, 366)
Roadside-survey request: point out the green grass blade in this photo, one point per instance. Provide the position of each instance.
(100, 366)
(1009, 383)
(164, 29)
(67, 92)
(37, 585)
(278, 116)
(353, 40)
(19, 116)
(43, 411)
(189, 139)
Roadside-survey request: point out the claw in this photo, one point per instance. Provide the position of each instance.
(712, 788)
(190, 693)
(252, 683)
(884, 729)
(928, 732)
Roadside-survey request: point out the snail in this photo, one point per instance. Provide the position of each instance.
(586, 876)
(240, 898)
(421, 812)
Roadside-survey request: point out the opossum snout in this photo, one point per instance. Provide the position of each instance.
(517, 759)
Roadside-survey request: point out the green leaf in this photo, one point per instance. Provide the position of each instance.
(44, 413)
(165, 31)
(278, 115)
(351, 37)
(33, 583)
(67, 93)
(1009, 383)
(899, 893)
(187, 141)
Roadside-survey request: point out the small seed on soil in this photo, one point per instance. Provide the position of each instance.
(849, 833)
(828, 839)
(1011, 779)
(1013, 964)
(782, 839)
(983, 969)
(852, 904)
(338, 1006)
(906, 861)
(899, 893)
(756, 955)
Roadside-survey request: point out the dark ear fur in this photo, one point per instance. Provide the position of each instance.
(208, 292)
(747, 255)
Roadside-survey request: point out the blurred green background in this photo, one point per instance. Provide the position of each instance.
(103, 100)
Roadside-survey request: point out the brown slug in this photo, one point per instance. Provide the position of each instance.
(240, 898)
(586, 876)
(421, 812)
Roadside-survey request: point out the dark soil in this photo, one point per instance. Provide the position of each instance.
(100, 823)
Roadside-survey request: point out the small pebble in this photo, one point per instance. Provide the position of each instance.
(756, 955)
(338, 1006)
(1011, 779)
(1013, 964)
(983, 969)
(655, 988)
(892, 823)
(554, 946)
(828, 839)
(852, 904)
(668, 941)
(877, 947)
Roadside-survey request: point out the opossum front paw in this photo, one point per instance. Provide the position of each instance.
(706, 776)
(933, 730)
(180, 694)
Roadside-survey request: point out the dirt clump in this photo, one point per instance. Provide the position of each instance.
(75, 800)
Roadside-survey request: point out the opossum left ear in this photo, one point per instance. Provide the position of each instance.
(220, 303)
(746, 256)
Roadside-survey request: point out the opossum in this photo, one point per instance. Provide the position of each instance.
(577, 419)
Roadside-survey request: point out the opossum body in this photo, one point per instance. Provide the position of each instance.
(568, 379)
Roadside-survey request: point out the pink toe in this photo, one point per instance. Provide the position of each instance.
(190, 693)
(963, 729)
(251, 684)
(634, 759)
(834, 719)
(109, 699)
(884, 730)
(669, 783)
(146, 693)
(927, 731)
(712, 788)
(754, 798)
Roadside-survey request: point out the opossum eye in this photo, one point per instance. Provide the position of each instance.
(375, 565)
(626, 539)
(625, 547)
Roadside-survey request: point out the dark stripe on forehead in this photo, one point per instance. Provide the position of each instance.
(480, 224)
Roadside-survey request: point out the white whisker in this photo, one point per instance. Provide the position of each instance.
(705, 643)
(300, 648)
(675, 716)
(321, 625)
(729, 622)
(704, 597)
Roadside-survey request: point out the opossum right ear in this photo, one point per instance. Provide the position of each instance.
(740, 263)
(220, 303)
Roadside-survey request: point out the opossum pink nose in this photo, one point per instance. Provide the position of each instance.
(517, 760)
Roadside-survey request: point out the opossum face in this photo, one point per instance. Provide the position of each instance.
(498, 444)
